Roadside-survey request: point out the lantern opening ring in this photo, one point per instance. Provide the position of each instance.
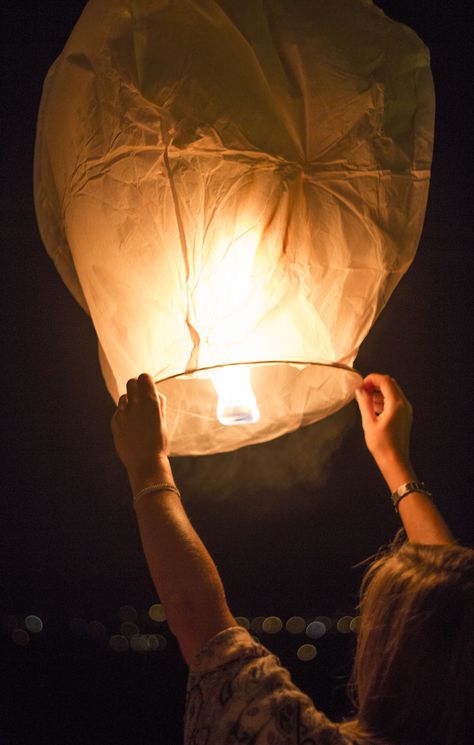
(255, 363)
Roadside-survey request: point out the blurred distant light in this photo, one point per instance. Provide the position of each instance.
(153, 643)
(243, 621)
(140, 643)
(118, 643)
(272, 625)
(20, 637)
(157, 642)
(315, 629)
(127, 613)
(96, 630)
(157, 613)
(295, 625)
(344, 624)
(256, 624)
(34, 624)
(78, 626)
(306, 652)
(129, 629)
(355, 624)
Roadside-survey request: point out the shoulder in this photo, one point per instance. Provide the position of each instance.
(239, 692)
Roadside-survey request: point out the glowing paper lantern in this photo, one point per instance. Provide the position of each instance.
(227, 182)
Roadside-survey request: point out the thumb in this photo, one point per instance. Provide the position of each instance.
(364, 400)
(162, 404)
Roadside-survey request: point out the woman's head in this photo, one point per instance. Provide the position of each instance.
(413, 672)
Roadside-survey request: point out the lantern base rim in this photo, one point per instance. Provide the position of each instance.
(256, 363)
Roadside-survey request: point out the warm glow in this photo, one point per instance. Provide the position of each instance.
(306, 652)
(213, 192)
(236, 402)
(157, 612)
(295, 625)
(272, 625)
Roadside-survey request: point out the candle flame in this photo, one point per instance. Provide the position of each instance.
(236, 402)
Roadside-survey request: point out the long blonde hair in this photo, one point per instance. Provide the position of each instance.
(413, 678)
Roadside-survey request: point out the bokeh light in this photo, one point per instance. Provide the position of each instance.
(129, 629)
(20, 637)
(344, 624)
(127, 613)
(34, 624)
(256, 624)
(118, 643)
(153, 642)
(315, 629)
(272, 625)
(306, 652)
(157, 613)
(295, 625)
(355, 624)
(140, 643)
(243, 621)
(157, 642)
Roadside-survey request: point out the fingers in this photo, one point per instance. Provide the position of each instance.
(376, 380)
(377, 400)
(139, 388)
(146, 386)
(122, 402)
(388, 388)
(377, 394)
(132, 390)
(385, 394)
(366, 406)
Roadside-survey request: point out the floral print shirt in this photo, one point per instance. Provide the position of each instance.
(239, 694)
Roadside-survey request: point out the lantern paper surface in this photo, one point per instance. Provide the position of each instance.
(234, 181)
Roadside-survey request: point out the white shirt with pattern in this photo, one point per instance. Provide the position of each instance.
(239, 694)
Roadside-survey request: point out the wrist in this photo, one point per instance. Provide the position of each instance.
(396, 471)
(155, 472)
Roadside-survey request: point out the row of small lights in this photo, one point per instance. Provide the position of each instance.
(130, 637)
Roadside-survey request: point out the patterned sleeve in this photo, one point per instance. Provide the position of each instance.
(238, 692)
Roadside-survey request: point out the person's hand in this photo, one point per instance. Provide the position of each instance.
(139, 427)
(386, 419)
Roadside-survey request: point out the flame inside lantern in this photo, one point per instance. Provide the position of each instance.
(236, 401)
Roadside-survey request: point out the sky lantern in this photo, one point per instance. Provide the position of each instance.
(232, 190)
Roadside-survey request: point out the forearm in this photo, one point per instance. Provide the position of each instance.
(182, 570)
(421, 519)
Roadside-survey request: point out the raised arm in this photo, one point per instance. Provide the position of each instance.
(182, 570)
(386, 419)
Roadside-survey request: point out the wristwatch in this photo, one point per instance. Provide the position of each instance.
(408, 488)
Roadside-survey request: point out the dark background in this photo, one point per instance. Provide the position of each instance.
(286, 530)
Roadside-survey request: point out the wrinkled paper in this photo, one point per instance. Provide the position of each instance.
(228, 181)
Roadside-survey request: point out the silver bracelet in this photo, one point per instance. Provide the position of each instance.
(155, 488)
(408, 488)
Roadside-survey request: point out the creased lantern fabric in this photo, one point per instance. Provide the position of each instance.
(234, 181)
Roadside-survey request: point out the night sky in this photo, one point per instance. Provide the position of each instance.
(287, 522)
